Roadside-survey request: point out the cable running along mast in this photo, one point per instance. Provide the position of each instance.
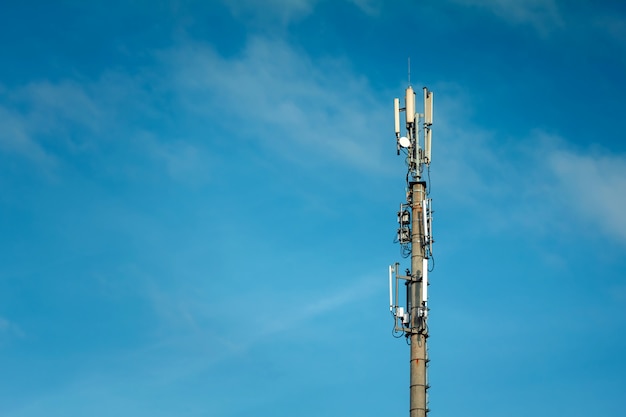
(415, 238)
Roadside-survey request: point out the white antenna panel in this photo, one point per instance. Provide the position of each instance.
(425, 220)
(396, 115)
(428, 107)
(427, 142)
(425, 280)
(391, 268)
(410, 105)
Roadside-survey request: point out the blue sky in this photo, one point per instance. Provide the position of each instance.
(198, 203)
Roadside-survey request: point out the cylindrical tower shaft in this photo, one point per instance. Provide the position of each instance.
(418, 313)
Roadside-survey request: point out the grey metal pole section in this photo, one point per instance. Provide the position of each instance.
(418, 313)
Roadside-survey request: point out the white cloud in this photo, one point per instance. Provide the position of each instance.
(310, 111)
(15, 138)
(53, 104)
(50, 123)
(612, 29)
(544, 15)
(535, 185)
(286, 312)
(278, 95)
(371, 7)
(283, 11)
(41, 118)
(595, 186)
(182, 159)
(4, 324)
(9, 329)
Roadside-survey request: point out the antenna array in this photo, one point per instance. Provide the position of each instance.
(414, 235)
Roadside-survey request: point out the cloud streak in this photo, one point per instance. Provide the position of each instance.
(595, 186)
(536, 184)
(543, 15)
(275, 94)
(16, 138)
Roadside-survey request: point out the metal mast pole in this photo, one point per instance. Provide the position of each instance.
(415, 238)
(417, 313)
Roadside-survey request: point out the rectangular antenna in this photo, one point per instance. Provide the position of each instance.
(396, 115)
(390, 290)
(410, 105)
(427, 144)
(428, 107)
(425, 280)
(425, 220)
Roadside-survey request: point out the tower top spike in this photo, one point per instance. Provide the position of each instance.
(409, 71)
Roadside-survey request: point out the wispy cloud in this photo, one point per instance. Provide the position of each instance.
(371, 7)
(183, 159)
(271, 94)
(595, 186)
(612, 29)
(53, 104)
(9, 329)
(535, 183)
(46, 121)
(284, 12)
(543, 15)
(271, 11)
(286, 312)
(16, 138)
(116, 115)
(263, 314)
(275, 94)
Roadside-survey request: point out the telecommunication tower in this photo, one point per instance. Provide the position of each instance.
(414, 235)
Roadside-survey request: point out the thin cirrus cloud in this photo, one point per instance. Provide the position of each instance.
(276, 94)
(283, 11)
(544, 183)
(114, 116)
(595, 186)
(16, 138)
(271, 93)
(286, 12)
(47, 121)
(543, 15)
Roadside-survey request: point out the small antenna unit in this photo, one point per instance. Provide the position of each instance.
(391, 270)
(428, 122)
(410, 105)
(396, 115)
(428, 107)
